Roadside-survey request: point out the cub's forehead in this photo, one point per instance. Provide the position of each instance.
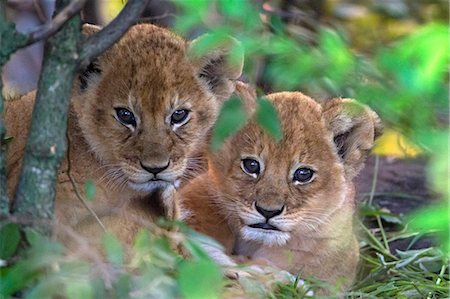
(147, 40)
(303, 128)
(150, 63)
(152, 52)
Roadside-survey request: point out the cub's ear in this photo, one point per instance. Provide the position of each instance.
(218, 63)
(90, 72)
(354, 128)
(247, 94)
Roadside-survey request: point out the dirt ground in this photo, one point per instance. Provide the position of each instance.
(401, 188)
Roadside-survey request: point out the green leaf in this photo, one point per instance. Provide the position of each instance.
(123, 286)
(201, 279)
(337, 55)
(89, 189)
(232, 117)
(195, 250)
(9, 240)
(432, 218)
(79, 289)
(420, 61)
(34, 238)
(267, 118)
(113, 249)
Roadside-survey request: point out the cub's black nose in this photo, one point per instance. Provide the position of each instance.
(154, 170)
(268, 213)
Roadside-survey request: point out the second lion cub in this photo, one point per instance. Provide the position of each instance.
(290, 203)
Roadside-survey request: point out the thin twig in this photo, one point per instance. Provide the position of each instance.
(48, 29)
(101, 41)
(374, 179)
(39, 11)
(75, 187)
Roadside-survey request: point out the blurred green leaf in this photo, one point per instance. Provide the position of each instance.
(337, 55)
(36, 260)
(267, 118)
(235, 8)
(232, 117)
(9, 240)
(433, 218)
(123, 286)
(199, 279)
(39, 244)
(420, 61)
(113, 249)
(79, 289)
(89, 189)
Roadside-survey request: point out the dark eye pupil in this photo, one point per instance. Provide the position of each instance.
(251, 166)
(179, 116)
(303, 175)
(126, 116)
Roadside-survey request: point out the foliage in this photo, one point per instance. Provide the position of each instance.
(153, 268)
(231, 118)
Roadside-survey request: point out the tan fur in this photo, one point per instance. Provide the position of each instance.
(315, 236)
(150, 72)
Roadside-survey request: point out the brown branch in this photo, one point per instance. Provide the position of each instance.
(104, 39)
(40, 12)
(17, 40)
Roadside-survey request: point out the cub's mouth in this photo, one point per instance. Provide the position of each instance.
(264, 225)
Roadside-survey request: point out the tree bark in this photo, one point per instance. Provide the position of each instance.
(46, 144)
(4, 201)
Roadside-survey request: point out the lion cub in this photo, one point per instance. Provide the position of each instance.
(288, 203)
(137, 114)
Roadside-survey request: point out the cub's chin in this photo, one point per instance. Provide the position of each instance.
(265, 235)
(150, 186)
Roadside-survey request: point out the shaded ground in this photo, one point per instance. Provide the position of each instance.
(400, 187)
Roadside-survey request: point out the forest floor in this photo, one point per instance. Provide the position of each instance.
(400, 188)
(401, 184)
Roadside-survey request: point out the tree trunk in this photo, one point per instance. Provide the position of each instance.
(4, 202)
(46, 144)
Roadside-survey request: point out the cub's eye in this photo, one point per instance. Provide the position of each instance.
(179, 117)
(126, 117)
(303, 175)
(251, 167)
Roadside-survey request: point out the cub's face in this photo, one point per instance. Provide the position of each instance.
(146, 105)
(271, 190)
